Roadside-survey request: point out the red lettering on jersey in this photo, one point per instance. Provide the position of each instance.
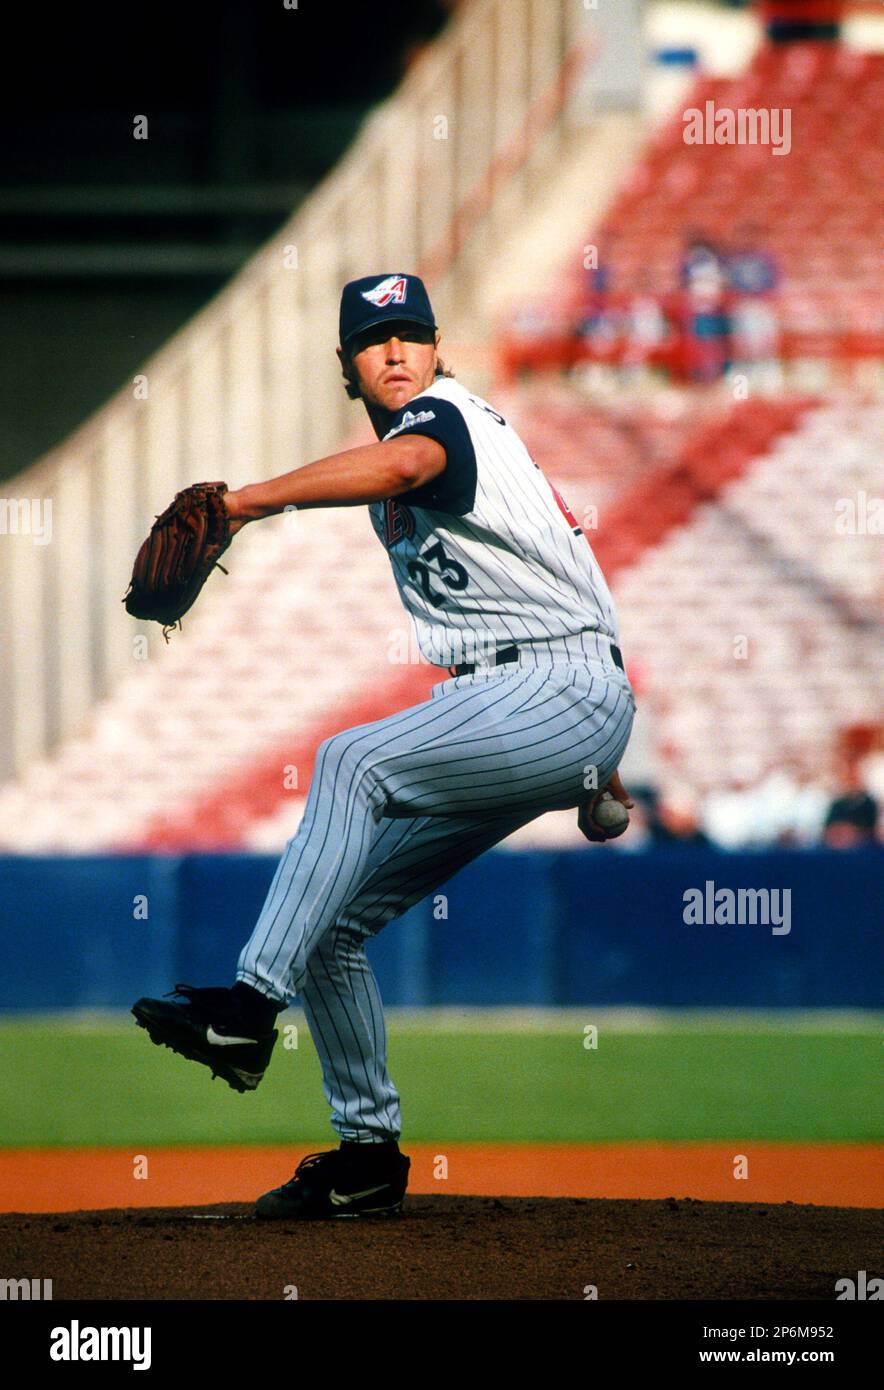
(563, 507)
(398, 521)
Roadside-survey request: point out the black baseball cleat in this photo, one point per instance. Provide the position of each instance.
(227, 1030)
(354, 1180)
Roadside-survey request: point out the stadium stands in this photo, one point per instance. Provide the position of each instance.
(827, 299)
(755, 626)
(736, 533)
(759, 634)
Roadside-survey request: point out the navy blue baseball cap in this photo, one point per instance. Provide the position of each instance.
(375, 298)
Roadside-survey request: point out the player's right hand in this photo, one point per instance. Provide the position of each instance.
(585, 819)
(619, 792)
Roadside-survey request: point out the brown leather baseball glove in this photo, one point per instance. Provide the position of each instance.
(185, 544)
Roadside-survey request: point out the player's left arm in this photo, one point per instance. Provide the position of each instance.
(370, 473)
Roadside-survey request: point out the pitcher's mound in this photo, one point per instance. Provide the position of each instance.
(453, 1248)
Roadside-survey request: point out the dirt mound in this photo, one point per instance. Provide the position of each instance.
(451, 1248)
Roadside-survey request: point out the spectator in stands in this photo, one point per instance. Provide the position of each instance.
(798, 803)
(753, 275)
(782, 804)
(787, 807)
(730, 813)
(599, 323)
(700, 313)
(870, 756)
(702, 265)
(597, 280)
(852, 816)
(677, 821)
(749, 269)
(858, 744)
(645, 325)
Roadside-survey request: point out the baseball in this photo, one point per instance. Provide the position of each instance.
(610, 815)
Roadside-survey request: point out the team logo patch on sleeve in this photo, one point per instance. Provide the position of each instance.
(408, 419)
(390, 291)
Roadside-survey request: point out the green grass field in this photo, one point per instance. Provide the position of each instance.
(66, 1081)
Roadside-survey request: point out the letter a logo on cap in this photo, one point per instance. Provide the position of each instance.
(389, 291)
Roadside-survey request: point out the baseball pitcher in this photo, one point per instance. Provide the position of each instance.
(534, 716)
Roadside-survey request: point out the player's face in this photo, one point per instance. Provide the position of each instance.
(394, 362)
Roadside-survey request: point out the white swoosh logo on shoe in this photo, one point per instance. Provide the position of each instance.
(225, 1041)
(342, 1199)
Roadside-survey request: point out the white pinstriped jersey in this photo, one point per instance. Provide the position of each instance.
(487, 554)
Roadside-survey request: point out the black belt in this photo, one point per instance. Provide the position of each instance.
(507, 654)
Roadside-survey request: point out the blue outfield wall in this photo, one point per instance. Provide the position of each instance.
(539, 927)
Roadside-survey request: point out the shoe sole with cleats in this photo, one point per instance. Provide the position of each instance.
(242, 1065)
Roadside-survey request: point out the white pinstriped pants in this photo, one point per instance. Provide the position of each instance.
(395, 808)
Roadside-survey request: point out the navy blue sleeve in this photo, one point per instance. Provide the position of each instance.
(454, 490)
